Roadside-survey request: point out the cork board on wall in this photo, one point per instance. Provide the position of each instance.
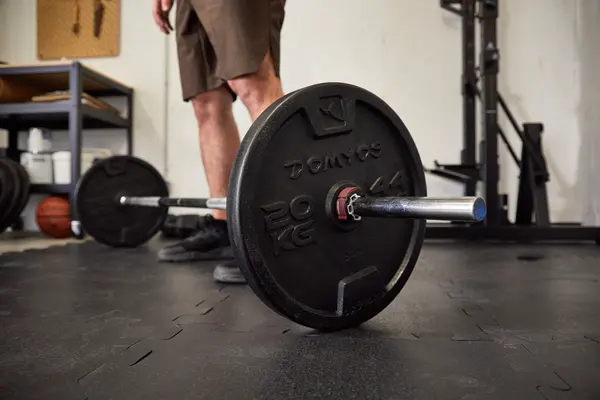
(78, 28)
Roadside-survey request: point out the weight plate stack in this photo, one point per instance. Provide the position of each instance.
(6, 186)
(14, 191)
(25, 189)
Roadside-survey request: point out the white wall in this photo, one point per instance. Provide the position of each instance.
(588, 32)
(3, 22)
(406, 51)
(540, 80)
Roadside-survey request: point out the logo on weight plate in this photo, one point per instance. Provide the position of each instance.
(333, 112)
(290, 225)
(332, 115)
(318, 163)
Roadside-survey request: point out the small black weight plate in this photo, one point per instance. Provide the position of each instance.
(11, 207)
(298, 259)
(96, 201)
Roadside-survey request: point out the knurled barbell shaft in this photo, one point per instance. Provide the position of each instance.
(432, 208)
(215, 203)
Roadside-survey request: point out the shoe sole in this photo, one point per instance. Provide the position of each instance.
(228, 275)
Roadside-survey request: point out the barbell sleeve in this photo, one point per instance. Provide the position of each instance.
(443, 209)
(215, 203)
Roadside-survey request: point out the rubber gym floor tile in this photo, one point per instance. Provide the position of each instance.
(426, 321)
(66, 313)
(574, 356)
(54, 386)
(503, 335)
(114, 323)
(545, 313)
(198, 363)
(578, 387)
(594, 338)
(48, 360)
(243, 312)
(574, 362)
(405, 318)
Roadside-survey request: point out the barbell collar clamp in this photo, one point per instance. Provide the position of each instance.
(469, 209)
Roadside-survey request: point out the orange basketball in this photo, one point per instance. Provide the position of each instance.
(52, 217)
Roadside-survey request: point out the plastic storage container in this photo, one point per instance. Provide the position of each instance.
(62, 163)
(38, 166)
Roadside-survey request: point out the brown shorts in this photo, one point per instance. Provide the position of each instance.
(218, 40)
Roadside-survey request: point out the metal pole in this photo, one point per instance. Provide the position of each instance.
(469, 88)
(489, 69)
(217, 203)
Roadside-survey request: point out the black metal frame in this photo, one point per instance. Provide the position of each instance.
(72, 115)
(532, 222)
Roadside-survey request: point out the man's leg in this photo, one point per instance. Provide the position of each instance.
(219, 140)
(245, 36)
(257, 91)
(234, 43)
(218, 134)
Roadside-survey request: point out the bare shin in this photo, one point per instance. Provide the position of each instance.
(219, 140)
(219, 137)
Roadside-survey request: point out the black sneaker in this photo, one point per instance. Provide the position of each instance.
(210, 242)
(228, 272)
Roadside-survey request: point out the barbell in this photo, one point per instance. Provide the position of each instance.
(350, 204)
(326, 209)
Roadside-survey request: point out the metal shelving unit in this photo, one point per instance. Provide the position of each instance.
(71, 115)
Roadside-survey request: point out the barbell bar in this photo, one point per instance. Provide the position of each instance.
(468, 209)
(214, 203)
(315, 162)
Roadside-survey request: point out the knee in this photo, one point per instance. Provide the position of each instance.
(250, 89)
(253, 89)
(212, 106)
